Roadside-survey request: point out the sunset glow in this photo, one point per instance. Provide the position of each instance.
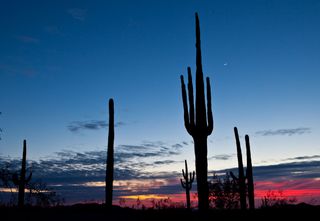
(63, 63)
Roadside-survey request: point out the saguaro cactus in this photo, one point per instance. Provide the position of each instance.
(249, 175)
(110, 158)
(186, 183)
(246, 186)
(22, 181)
(197, 124)
(241, 179)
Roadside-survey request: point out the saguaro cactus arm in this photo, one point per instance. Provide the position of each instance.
(191, 99)
(185, 106)
(209, 108)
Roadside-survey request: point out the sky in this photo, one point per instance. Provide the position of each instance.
(60, 62)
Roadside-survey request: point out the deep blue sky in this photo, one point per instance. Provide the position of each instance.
(60, 62)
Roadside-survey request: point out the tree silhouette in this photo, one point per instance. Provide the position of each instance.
(224, 192)
(199, 122)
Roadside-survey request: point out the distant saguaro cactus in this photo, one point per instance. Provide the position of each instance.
(22, 181)
(249, 175)
(246, 185)
(241, 179)
(199, 126)
(110, 157)
(186, 183)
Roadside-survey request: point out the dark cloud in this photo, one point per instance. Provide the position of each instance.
(78, 13)
(283, 171)
(131, 161)
(177, 146)
(304, 157)
(70, 173)
(221, 157)
(147, 149)
(283, 132)
(165, 162)
(76, 126)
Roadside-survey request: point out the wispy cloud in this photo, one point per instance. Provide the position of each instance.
(78, 13)
(18, 70)
(284, 132)
(165, 162)
(27, 39)
(314, 157)
(54, 30)
(284, 171)
(79, 176)
(221, 157)
(76, 126)
(149, 149)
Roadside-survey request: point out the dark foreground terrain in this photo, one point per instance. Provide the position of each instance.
(98, 212)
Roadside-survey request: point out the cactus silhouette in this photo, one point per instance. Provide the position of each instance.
(110, 158)
(186, 183)
(22, 181)
(199, 122)
(243, 188)
(241, 179)
(249, 175)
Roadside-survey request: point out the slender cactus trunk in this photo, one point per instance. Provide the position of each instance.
(249, 175)
(22, 182)
(242, 183)
(110, 157)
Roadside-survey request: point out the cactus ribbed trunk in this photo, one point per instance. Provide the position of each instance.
(249, 175)
(202, 173)
(22, 179)
(242, 183)
(110, 157)
(198, 122)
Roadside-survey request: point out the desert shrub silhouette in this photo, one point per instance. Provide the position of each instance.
(224, 192)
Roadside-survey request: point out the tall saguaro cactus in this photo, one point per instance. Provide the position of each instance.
(22, 181)
(199, 122)
(246, 185)
(110, 158)
(241, 179)
(186, 183)
(249, 174)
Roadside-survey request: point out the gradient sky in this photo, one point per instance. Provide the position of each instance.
(60, 62)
